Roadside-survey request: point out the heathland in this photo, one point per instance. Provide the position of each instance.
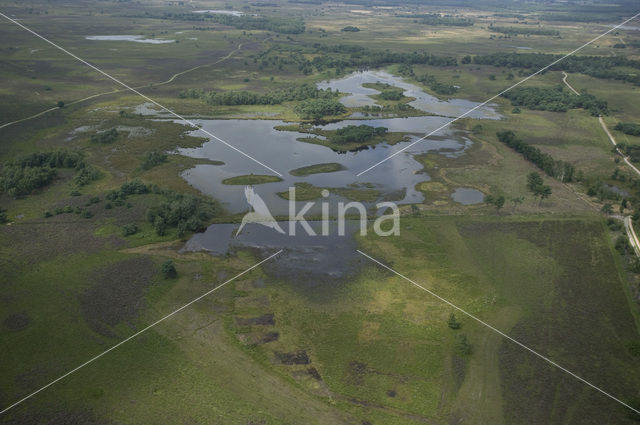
(95, 211)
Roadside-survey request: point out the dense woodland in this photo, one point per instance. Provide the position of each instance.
(302, 92)
(345, 56)
(316, 109)
(24, 174)
(594, 66)
(555, 99)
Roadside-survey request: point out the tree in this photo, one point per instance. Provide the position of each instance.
(160, 226)
(60, 104)
(463, 347)
(496, 201)
(536, 185)
(544, 192)
(533, 181)
(168, 270)
(607, 208)
(452, 322)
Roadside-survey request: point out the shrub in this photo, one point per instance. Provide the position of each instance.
(168, 270)
(105, 137)
(151, 159)
(129, 229)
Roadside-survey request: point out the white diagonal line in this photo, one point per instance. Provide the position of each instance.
(137, 333)
(482, 322)
(497, 95)
(138, 93)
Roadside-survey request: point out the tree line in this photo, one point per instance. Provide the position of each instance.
(555, 99)
(278, 24)
(523, 30)
(441, 20)
(628, 128)
(303, 92)
(594, 66)
(558, 169)
(345, 56)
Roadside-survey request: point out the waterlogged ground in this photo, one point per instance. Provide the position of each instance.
(306, 258)
(134, 38)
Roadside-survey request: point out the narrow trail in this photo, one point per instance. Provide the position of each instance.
(631, 233)
(564, 80)
(613, 141)
(170, 80)
(604, 127)
(628, 223)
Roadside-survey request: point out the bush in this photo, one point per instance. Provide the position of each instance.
(86, 175)
(168, 270)
(129, 229)
(186, 212)
(151, 159)
(105, 137)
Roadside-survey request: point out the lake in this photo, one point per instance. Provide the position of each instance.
(282, 151)
(320, 258)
